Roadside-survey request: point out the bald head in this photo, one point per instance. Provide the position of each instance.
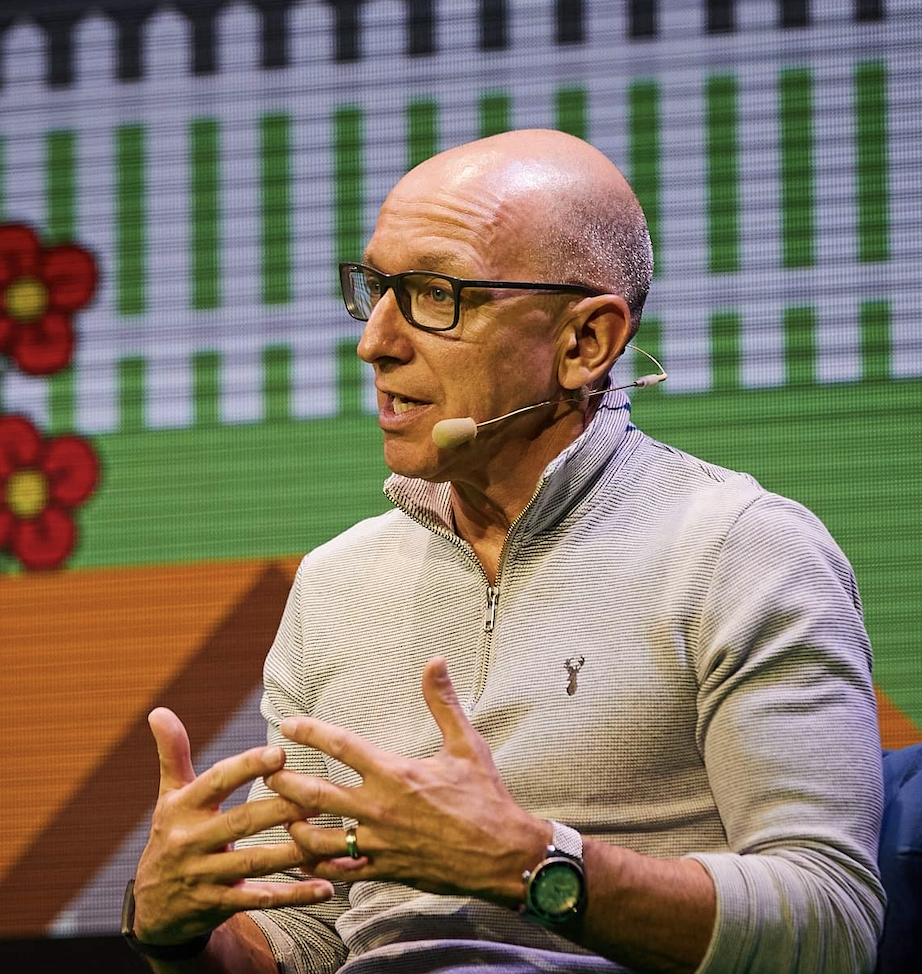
(572, 215)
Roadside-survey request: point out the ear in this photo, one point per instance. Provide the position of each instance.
(591, 340)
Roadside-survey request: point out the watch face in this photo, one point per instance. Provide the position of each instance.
(558, 888)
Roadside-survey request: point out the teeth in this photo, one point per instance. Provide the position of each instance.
(403, 405)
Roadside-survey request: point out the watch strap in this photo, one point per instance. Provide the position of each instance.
(183, 951)
(567, 840)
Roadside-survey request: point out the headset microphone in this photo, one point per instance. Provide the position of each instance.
(451, 433)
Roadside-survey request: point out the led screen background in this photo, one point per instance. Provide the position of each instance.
(218, 161)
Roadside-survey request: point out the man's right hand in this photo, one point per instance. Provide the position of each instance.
(189, 879)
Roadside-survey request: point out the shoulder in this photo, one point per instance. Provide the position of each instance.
(705, 515)
(364, 556)
(365, 541)
(678, 498)
(774, 534)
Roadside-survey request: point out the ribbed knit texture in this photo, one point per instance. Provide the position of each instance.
(724, 709)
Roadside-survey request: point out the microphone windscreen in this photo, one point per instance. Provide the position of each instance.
(450, 433)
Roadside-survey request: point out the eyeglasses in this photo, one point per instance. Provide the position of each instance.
(428, 301)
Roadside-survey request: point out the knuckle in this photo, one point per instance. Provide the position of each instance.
(218, 775)
(177, 841)
(250, 864)
(240, 821)
(338, 743)
(190, 882)
(263, 899)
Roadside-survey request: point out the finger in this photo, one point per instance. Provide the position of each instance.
(172, 748)
(247, 819)
(316, 794)
(263, 860)
(346, 870)
(444, 705)
(337, 742)
(255, 895)
(316, 842)
(223, 778)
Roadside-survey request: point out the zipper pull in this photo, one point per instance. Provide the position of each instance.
(490, 620)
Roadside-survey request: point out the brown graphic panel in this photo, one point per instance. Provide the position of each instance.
(75, 746)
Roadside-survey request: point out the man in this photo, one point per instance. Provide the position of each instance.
(658, 669)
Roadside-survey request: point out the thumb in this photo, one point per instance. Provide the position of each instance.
(443, 703)
(173, 749)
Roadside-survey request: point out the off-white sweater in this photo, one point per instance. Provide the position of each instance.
(724, 708)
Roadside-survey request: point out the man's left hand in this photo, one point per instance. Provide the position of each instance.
(444, 824)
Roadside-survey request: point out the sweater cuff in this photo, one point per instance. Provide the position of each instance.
(730, 948)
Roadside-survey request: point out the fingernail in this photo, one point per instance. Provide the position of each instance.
(288, 726)
(272, 755)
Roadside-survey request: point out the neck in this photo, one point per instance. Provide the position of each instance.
(485, 507)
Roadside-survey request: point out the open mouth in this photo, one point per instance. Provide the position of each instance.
(402, 404)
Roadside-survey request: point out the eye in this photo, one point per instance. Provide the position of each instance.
(374, 287)
(437, 294)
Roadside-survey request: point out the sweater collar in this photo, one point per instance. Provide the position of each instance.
(563, 483)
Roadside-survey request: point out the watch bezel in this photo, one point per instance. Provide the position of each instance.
(554, 859)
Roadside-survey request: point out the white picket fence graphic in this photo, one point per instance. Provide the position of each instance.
(168, 334)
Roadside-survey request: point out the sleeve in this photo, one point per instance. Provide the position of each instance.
(787, 725)
(303, 939)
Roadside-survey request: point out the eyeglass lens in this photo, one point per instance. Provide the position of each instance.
(427, 300)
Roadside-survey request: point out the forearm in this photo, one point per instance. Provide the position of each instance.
(649, 914)
(238, 946)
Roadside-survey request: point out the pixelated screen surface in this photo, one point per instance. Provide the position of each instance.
(175, 192)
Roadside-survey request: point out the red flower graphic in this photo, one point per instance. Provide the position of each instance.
(41, 481)
(39, 291)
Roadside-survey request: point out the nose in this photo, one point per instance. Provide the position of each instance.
(386, 336)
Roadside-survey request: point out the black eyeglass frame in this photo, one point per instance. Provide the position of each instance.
(394, 282)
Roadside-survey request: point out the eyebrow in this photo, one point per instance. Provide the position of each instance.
(435, 260)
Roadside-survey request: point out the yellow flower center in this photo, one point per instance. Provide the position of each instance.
(26, 493)
(26, 299)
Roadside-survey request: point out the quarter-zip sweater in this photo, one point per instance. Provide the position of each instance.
(723, 709)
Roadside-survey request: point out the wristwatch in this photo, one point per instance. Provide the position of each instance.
(184, 951)
(555, 890)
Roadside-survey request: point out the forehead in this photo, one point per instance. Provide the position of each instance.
(461, 226)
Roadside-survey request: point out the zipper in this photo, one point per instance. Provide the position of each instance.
(492, 608)
(492, 598)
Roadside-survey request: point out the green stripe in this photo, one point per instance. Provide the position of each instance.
(204, 154)
(422, 131)
(61, 401)
(644, 156)
(205, 388)
(61, 227)
(872, 162)
(130, 219)
(797, 191)
(722, 119)
(349, 176)
(800, 345)
(277, 382)
(495, 111)
(726, 328)
(60, 186)
(875, 339)
(275, 179)
(349, 379)
(132, 374)
(571, 112)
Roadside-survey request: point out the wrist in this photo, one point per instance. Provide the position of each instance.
(531, 837)
(185, 950)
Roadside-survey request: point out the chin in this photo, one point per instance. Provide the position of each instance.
(414, 460)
